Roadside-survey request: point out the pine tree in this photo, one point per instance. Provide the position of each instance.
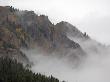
(12, 71)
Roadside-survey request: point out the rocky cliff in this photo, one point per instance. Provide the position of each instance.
(25, 29)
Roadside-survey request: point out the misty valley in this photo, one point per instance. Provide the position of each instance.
(33, 49)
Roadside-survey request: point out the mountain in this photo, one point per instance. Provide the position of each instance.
(34, 41)
(71, 30)
(88, 44)
(26, 30)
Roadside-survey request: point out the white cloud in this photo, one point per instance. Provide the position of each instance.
(4, 2)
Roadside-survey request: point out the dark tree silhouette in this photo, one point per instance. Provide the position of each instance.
(12, 71)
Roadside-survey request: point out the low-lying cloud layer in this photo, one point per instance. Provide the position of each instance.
(95, 68)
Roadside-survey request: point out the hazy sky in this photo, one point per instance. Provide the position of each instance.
(92, 16)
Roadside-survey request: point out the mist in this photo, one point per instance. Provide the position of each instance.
(94, 68)
(91, 16)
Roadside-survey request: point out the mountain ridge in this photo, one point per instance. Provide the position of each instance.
(31, 31)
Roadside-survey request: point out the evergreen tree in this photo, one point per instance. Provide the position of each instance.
(12, 71)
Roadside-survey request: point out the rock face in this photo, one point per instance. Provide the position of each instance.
(25, 29)
(71, 30)
(9, 46)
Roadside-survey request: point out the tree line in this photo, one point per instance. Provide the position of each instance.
(12, 71)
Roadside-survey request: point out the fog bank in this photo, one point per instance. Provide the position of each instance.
(96, 67)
